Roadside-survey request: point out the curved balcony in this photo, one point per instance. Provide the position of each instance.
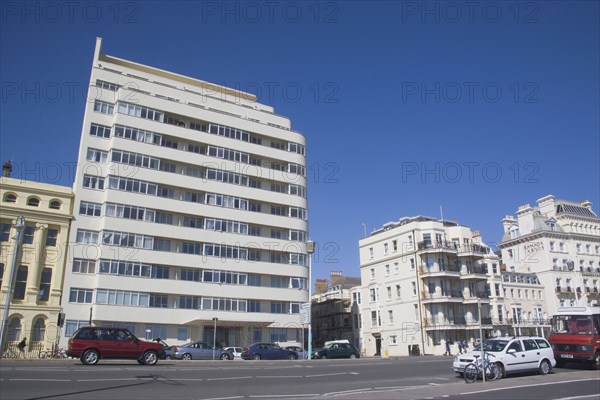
(451, 296)
(445, 270)
(472, 250)
(436, 247)
(474, 272)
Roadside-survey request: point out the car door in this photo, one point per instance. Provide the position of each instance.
(127, 346)
(106, 343)
(532, 354)
(515, 360)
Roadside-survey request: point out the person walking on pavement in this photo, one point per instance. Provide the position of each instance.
(447, 353)
(22, 344)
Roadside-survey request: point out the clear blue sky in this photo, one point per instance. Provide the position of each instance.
(499, 100)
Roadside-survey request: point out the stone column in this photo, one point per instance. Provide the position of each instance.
(35, 271)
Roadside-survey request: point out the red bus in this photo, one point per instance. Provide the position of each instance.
(575, 335)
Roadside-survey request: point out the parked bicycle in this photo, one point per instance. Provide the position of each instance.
(474, 370)
(11, 353)
(56, 353)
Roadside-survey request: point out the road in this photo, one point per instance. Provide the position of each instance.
(428, 377)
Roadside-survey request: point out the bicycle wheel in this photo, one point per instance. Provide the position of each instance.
(471, 372)
(492, 372)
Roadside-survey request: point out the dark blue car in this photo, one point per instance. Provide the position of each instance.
(268, 351)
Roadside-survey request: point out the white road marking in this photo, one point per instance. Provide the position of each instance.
(39, 380)
(347, 392)
(229, 379)
(114, 379)
(530, 385)
(278, 396)
(313, 376)
(224, 398)
(587, 396)
(277, 376)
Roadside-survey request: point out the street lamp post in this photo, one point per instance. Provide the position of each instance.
(215, 319)
(310, 248)
(481, 339)
(19, 226)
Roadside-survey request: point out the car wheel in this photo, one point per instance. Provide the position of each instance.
(353, 356)
(90, 357)
(256, 356)
(150, 357)
(186, 357)
(502, 371)
(545, 367)
(596, 364)
(324, 357)
(225, 356)
(292, 357)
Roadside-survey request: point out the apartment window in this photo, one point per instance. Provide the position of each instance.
(578, 247)
(561, 246)
(28, 234)
(81, 296)
(87, 237)
(91, 209)
(416, 312)
(495, 268)
(113, 87)
(552, 246)
(1, 273)
(93, 182)
(373, 295)
(10, 198)
(412, 263)
(588, 249)
(96, 155)
(394, 245)
(189, 302)
(38, 331)
(385, 248)
(100, 131)
(20, 283)
(103, 107)
(398, 291)
(414, 288)
(45, 280)
(84, 266)
(396, 268)
(390, 317)
(370, 252)
(387, 270)
(374, 319)
(389, 292)
(372, 273)
(182, 333)
(51, 237)
(33, 202)
(393, 340)
(191, 248)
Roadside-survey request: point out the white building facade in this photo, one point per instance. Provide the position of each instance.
(191, 211)
(424, 281)
(559, 241)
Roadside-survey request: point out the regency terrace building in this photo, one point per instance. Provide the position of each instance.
(424, 281)
(190, 212)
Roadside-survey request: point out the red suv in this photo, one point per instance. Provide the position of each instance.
(91, 343)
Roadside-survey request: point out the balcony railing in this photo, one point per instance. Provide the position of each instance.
(476, 270)
(444, 245)
(472, 248)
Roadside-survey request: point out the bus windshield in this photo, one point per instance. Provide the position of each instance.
(573, 324)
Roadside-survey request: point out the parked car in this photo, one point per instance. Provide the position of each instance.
(91, 343)
(267, 351)
(169, 350)
(201, 351)
(302, 354)
(337, 350)
(236, 351)
(512, 354)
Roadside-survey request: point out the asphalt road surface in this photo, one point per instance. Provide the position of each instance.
(428, 377)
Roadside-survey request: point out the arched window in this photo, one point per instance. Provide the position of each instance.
(38, 331)
(33, 202)
(44, 293)
(20, 283)
(14, 329)
(10, 198)
(55, 204)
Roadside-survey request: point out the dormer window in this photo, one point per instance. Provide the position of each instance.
(55, 205)
(10, 198)
(33, 202)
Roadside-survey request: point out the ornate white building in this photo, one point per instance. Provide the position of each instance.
(424, 281)
(191, 211)
(559, 241)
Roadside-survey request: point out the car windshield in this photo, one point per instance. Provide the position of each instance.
(573, 324)
(494, 345)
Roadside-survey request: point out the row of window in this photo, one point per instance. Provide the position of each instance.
(159, 300)
(137, 269)
(29, 234)
(20, 284)
(32, 201)
(154, 189)
(221, 130)
(136, 240)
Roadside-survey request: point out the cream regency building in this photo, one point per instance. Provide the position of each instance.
(424, 281)
(191, 211)
(559, 242)
(38, 273)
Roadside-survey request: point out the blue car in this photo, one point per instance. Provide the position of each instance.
(268, 351)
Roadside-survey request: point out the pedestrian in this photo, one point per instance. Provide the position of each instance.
(22, 344)
(460, 347)
(447, 353)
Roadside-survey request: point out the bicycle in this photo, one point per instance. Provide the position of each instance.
(474, 370)
(56, 353)
(10, 353)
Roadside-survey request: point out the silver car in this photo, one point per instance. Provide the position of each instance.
(201, 351)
